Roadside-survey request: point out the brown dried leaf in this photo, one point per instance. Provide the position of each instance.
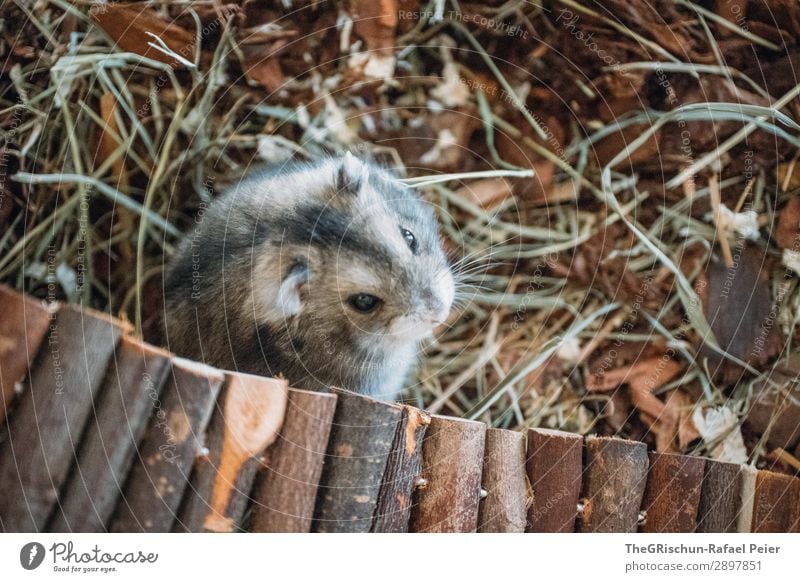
(704, 136)
(263, 66)
(619, 410)
(439, 143)
(675, 436)
(787, 233)
(128, 24)
(737, 304)
(591, 266)
(376, 23)
(734, 11)
(643, 378)
(486, 193)
(517, 152)
(608, 148)
(774, 408)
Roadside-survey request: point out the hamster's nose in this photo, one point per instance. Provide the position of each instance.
(434, 305)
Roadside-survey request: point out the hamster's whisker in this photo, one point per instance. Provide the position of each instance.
(475, 257)
(477, 286)
(460, 303)
(482, 265)
(491, 248)
(483, 261)
(472, 293)
(477, 270)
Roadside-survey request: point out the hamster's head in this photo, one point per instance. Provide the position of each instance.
(361, 262)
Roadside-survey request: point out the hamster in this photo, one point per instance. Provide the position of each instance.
(330, 273)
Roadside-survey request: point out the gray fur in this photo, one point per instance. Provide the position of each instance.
(262, 283)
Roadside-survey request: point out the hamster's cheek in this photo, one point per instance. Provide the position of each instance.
(445, 291)
(407, 329)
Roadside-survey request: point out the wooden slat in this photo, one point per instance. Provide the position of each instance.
(720, 498)
(672, 494)
(23, 325)
(613, 487)
(247, 421)
(505, 505)
(774, 503)
(452, 463)
(131, 388)
(358, 451)
(172, 440)
(45, 429)
(403, 469)
(747, 479)
(796, 511)
(286, 485)
(554, 467)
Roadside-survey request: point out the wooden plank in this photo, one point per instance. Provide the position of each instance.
(245, 423)
(452, 463)
(130, 390)
(504, 507)
(775, 502)
(172, 440)
(672, 493)
(358, 452)
(286, 485)
(747, 479)
(46, 427)
(796, 511)
(613, 487)
(23, 326)
(720, 497)
(555, 468)
(403, 470)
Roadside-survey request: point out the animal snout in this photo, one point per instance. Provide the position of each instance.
(434, 305)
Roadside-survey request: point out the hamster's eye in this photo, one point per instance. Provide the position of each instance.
(410, 239)
(363, 303)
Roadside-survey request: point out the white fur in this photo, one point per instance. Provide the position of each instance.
(361, 276)
(289, 301)
(445, 290)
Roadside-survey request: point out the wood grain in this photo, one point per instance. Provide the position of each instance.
(358, 451)
(555, 467)
(247, 420)
(672, 494)
(245, 423)
(452, 463)
(720, 497)
(131, 387)
(23, 325)
(172, 440)
(775, 503)
(403, 469)
(285, 489)
(504, 508)
(747, 480)
(614, 480)
(46, 427)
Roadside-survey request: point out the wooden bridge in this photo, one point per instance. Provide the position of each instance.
(101, 432)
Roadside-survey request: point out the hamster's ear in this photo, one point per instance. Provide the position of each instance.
(351, 175)
(291, 293)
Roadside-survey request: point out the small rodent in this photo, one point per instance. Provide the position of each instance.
(329, 273)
